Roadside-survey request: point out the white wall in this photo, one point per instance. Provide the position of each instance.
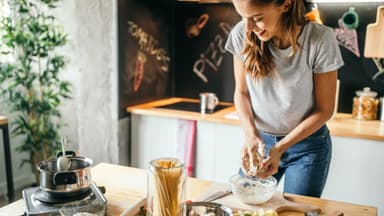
(93, 70)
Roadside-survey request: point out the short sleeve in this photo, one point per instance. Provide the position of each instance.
(235, 40)
(328, 56)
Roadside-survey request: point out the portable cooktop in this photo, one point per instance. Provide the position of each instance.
(190, 106)
(38, 203)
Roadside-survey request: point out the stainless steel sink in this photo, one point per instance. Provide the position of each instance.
(190, 106)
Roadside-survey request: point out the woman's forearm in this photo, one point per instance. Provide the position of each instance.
(246, 116)
(308, 126)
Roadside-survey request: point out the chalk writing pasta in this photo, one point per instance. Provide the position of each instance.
(149, 44)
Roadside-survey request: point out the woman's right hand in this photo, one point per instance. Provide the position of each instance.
(252, 154)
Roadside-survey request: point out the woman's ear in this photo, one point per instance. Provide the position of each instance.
(287, 5)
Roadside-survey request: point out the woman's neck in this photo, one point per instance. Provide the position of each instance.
(281, 41)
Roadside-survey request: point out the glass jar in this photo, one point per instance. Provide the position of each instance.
(166, 184)
(365, 105)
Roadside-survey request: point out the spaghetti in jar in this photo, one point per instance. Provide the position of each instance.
(166, 187)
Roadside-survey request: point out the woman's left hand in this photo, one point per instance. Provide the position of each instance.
(270, 165)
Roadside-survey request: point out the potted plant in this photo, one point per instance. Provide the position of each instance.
(29, 75)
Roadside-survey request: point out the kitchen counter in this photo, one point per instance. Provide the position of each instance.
(341, 125)
(125, 186)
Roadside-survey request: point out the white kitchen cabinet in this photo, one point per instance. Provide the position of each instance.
(217, 145)
(152, 137)
(228, 143)
(205, 150)
(356, 173)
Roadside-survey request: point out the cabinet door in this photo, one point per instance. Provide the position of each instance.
(205, 150)
(152, 137)
(357, 172)
(228, 142)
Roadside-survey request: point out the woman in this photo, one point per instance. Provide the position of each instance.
(285, 74)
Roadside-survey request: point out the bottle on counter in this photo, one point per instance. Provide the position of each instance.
(365, 105)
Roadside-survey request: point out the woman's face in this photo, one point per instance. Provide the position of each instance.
(264, 20)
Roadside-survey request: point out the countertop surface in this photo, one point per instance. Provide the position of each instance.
(341, 124)
(126, 186)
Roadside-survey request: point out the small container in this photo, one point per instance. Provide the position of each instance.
(365, 105)
(208, 102)
(166, 187)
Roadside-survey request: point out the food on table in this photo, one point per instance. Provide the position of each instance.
(84, 214)
(260, 212)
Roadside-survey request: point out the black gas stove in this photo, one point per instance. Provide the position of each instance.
(41, 203)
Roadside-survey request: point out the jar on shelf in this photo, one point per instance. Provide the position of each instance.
(365, 105)
(166, 186)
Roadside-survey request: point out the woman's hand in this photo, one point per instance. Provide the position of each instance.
(270, 165)
(252, 154)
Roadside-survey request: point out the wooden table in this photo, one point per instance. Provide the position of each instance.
(126, 185)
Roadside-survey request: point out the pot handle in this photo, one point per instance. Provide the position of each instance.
(67, 153)
(64, 178)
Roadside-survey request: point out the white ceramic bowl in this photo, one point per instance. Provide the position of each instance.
(253, 191)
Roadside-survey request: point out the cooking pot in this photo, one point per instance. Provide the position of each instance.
(75, 181)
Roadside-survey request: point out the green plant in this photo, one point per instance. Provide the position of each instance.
(29, 75)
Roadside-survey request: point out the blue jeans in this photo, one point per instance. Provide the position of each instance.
(304, 164)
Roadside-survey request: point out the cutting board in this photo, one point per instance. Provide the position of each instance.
(278, 202)
(374, 36)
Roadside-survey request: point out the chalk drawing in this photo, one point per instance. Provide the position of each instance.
(139, 70)
(149, 44)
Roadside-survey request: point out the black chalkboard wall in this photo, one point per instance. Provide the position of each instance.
(193, 35)
(144, 51)
(201, 63)
(357, 72)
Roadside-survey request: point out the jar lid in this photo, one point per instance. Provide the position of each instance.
(366, 92)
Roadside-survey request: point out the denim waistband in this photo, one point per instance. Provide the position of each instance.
(278, 137)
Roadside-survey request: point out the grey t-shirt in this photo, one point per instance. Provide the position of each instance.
(281, 101)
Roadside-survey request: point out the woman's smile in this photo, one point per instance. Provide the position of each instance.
(262, 35)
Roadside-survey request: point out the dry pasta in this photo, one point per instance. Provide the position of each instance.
(167, 191)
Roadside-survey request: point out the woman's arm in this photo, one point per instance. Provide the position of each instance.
(243, 102)
(247, 119)
(325, 93)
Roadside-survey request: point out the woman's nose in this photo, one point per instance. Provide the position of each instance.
(251, 26)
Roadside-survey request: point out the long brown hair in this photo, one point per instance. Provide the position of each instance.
(259, 62)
